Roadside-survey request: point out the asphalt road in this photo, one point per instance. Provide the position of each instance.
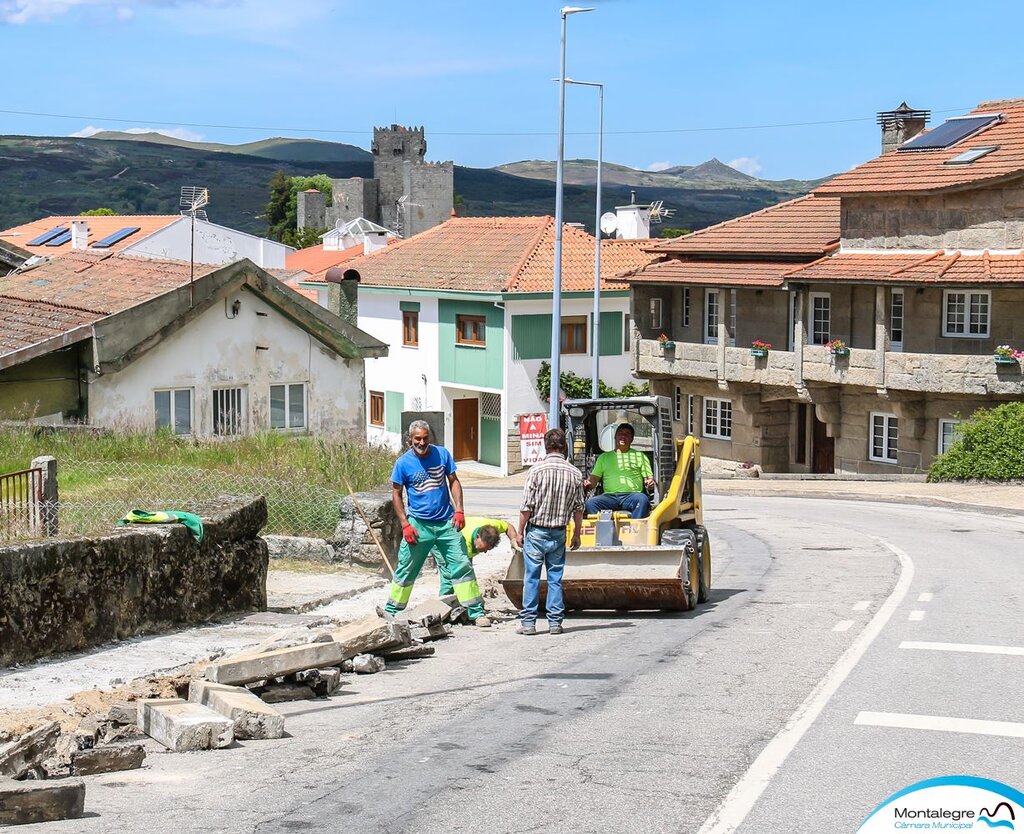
(765, 710)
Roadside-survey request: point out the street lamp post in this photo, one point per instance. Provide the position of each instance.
(556, 304)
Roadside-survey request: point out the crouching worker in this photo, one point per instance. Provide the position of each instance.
(480, 535)
(434, 521)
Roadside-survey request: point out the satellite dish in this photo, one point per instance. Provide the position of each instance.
(609, 222)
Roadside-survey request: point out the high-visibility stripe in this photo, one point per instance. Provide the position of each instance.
(400, 594)
(468, 593)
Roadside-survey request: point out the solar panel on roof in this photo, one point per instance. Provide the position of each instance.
(115, 237)
(969, 156)
(949, 133)
(45, 236)
(61, 239)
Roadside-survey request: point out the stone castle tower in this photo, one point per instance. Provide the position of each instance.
(406, 194)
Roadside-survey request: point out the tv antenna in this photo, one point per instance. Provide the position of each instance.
(659, 212)
(400, 206)
(194, 199)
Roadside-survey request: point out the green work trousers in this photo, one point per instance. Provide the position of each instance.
(446, 581)
(450, 552)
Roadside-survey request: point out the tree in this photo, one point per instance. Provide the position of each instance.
(99, 212)
(669, 231)
(281, 199)
(301, 238)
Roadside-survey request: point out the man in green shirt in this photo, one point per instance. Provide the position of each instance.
(480, 535)
(624, 474)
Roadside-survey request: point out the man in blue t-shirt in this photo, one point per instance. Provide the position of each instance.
(427, 474)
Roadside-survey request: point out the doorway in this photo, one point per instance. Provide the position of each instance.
(823, 448)
(466, 439)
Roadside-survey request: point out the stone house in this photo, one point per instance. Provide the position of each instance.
(913, 260)
(119, 341)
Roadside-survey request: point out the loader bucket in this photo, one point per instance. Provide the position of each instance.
(649, 578)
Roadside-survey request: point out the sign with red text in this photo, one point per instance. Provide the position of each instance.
(532, 428)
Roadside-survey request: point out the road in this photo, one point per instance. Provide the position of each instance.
(764, 711)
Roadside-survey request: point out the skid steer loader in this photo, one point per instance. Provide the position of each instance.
(662, 562)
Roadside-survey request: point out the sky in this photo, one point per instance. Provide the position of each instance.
(779, 90)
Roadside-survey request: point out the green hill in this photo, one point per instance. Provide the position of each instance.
(278, 147)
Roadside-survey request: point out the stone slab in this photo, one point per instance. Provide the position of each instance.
(123, 712)
(370, 635)
(323, 682)
(107, 759)
(279, 693)
(180, 726)
(22, 803)
(275, 663)
(368, 664)
(430, 612)
(20, 756)
(409, 653)
(251, 717)
(439, 631)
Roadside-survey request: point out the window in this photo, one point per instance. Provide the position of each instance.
(821, 318)
(712, 302)
(691, 422)
(885, 432)
(947, 434)
(288, 406)
(966, 314)
(410, 329)
(228, 411)
(574, 334)
(896, 320)
(656, 313)
(377, 408)
(794, 317)
(174, 410)
(470, 330)
(686, 307)
(717, 418)
(627, 333)
(677, 405)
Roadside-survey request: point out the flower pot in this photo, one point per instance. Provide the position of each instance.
(840, 351)
(668, 345)
(1005, 360)
(760, 352)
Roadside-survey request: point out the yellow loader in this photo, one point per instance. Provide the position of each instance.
(662, 562)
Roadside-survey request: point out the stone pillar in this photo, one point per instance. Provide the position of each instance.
(45, 513)
(311, 209)
(881, 336)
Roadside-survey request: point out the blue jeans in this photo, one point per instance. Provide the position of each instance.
(543, 547)
(637, 504)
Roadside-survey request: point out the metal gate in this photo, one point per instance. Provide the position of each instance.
(21, 501)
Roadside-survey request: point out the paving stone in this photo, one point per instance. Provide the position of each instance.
(277, 693)
(370, 635)
(274, 663)
(22, 803)
(179, 725)
(107, 759)
(18, 757)
(368, 664)
(252, 718)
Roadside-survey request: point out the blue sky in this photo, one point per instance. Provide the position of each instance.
(477, 74)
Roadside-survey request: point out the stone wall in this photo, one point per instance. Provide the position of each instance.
(63, 595)
(353, 542)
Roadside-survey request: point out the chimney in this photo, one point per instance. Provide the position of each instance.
(347, 306)
(372, 241)
(633, 222)
(901, 125)
(79, 234)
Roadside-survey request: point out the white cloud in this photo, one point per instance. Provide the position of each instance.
(746, 164)
(175, 132)
(41, 11)
(659, 166)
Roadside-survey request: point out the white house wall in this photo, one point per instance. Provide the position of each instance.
(214, 245)
(217, 350)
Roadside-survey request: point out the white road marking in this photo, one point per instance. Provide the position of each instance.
(963, 647)
(925, 597)
(729, 815)
(863, 605)
(941, 723)
(842, 625)
(916, 616)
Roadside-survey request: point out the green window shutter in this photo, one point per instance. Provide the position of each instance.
(531, 337)
(611, 334)
(409, 306)
(394, 402)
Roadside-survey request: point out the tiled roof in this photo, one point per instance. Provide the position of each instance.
(926, 171)
(941, 267)
(99, 228)
(26, 323)
(806, 226)
(316, 260)
(717, 273)
(497, 254)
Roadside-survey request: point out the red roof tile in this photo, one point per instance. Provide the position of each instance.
(497, 254)
(99, 228)
(26, 323)
(718, 273)
(807, 226)
(926, 171)
(941, 267)
(316, 260)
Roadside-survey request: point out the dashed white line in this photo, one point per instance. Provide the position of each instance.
(925, 597)
(916, 616)
(842, 625)
(863, 605)
(940, 723)
(976, 648)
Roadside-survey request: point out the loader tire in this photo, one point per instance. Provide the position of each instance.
(687, 539)
(704, 549)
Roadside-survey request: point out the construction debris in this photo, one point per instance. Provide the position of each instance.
(107, 759)
(276, 693)
(459, 614)
(275, 663)
(179, 725)
(22, 803)
(123, 713)
(437, 631)
(370, 635)
(432, 612)
(410, 653)
(19, 757)
(251, 717)
(323, 682)
(368, 664)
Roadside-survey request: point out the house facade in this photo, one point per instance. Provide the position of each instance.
(466, 309)
(912, 261)
(124, 342)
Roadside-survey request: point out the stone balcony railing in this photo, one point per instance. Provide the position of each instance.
(869, 368)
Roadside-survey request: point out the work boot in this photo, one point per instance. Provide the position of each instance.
(482, 622)
(526, 630)
(555, 629)
(384, 615)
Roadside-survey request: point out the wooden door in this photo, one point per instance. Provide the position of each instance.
(466, 441)
(823, 448)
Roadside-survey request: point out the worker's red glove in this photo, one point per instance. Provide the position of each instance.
(460, 520)
(410, 533)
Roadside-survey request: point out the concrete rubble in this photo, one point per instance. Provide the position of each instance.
(274, 663)
(368, 664)
(371, 634)
(107, 759)
(180, 725)
(24, 755)
(22, 803)
(251, 717)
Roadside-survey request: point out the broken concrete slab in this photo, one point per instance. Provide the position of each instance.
(323, 682)
(459, 614)
(275, 663)
(123, 712)
(252, 718)
(409, 653)
(278, 693)
(22, 803)
(435, 632)
(20, 756)
(107, 759)
(369, 635)
(180, 726)
(368, 664)
(430, 612)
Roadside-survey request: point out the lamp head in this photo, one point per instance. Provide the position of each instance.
(568, 10)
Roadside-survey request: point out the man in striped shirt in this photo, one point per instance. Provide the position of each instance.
(553, 493)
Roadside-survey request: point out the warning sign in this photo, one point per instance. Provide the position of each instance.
(532, 428)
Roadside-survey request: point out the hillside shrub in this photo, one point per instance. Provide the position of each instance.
(989, 446)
